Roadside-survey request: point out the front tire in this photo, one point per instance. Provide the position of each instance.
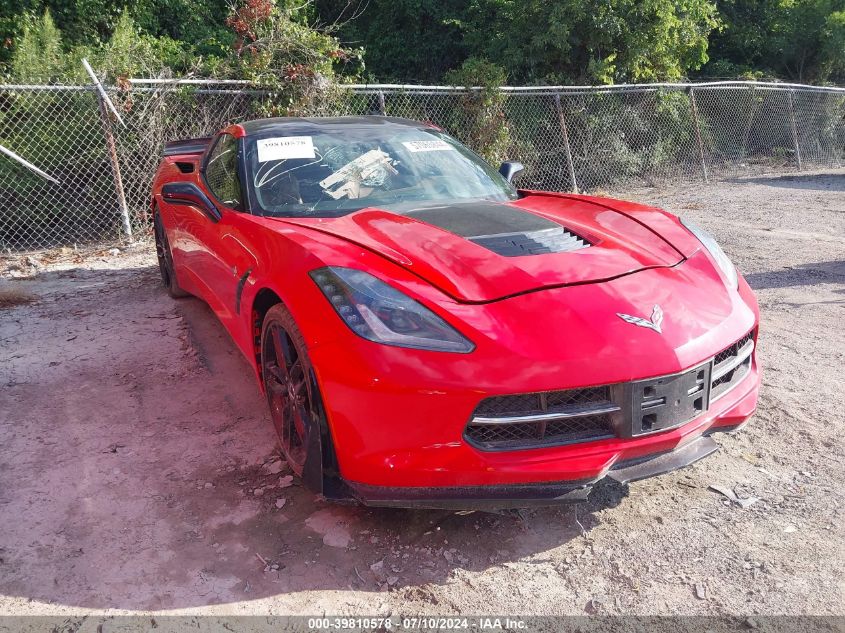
(291, 388)
(165, 260)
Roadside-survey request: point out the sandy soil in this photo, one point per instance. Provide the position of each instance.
(138, 469)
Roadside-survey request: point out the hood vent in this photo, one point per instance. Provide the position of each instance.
(501, 228)
(557, 240)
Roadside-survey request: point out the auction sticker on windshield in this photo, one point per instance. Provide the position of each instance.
(285, 148)
(427, 146)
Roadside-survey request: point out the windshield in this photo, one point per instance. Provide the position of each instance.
(319, 171)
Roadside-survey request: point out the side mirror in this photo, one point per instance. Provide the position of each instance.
(510, 168)
(188, 193)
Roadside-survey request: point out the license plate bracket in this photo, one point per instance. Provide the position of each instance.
(658, 404)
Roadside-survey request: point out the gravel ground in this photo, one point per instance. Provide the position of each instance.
(139, 472)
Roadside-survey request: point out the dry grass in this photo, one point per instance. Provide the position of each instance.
(10, 296)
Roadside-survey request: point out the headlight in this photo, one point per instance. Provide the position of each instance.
(382, 314)
(716, 251)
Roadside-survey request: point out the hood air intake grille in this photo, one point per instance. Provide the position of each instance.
(556, 240)
(504, 229)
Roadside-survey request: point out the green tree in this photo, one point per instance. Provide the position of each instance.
(198, 25)
(277, 48)
(832, 54)
(798, 40)
(130, 52)
(38, 57)
(414, 41)
(480, 118)
(41, 54)
(80, 21)
(535, 41)
(606, 41)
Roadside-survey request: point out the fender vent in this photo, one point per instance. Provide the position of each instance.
(556, 240)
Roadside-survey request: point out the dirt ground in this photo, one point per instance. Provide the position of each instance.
(138, 468)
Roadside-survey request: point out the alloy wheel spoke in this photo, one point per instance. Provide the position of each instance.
(295, 370)
(287, 408)
(296, 376)
(288, 351)
(278, 336)
(277, 387)
(299, 423)
(299, 387)
(276, 373)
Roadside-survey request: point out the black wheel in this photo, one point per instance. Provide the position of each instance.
(165, 260)
(290, 387)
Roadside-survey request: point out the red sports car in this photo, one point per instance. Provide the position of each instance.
(428, 335)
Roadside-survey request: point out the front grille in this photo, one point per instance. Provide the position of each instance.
(589, 427)
(537, 434)
(536, 403)
(554, 418)
(731, 365)
(731, 351)
(557, 417)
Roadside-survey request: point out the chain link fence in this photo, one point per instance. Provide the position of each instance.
(569, 138)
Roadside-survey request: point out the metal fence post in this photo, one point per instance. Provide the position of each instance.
(115, 166)
(381, 106)
(567, 150)
(103, 102)
(697, 128)
(27, 164)
(794, 130)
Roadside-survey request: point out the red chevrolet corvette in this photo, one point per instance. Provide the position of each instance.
(427, 335)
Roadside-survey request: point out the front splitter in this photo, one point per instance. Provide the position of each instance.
(510, 496)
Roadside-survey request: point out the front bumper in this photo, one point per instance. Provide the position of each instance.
(664, 453)
(528, 495)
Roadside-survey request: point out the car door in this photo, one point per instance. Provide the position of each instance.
(223, 259)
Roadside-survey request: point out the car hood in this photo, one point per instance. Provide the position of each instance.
(481, 251)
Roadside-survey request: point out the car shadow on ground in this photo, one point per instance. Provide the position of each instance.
(823, 181)
(801, 275)
(141, 471)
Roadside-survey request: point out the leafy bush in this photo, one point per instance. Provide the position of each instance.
(276, 49)
(131, 53)
(38, 58)
(480, 120)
